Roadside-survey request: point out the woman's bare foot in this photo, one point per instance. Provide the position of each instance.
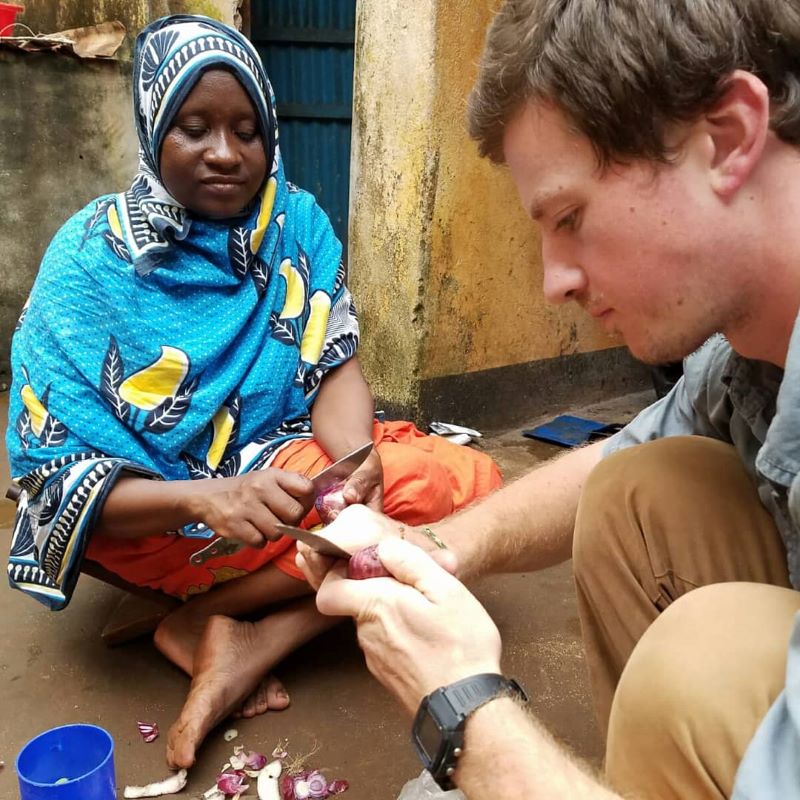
(178, 635)
(269, 694)
(229, 663)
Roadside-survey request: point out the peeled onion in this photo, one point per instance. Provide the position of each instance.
(366, 563)
(330, 502)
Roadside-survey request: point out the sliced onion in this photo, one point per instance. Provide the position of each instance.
(317, 785)
(310, 785)
(149, 730)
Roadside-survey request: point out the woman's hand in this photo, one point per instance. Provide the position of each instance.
(365, 485)
(247, 507)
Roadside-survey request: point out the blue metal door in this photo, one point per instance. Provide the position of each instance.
(307, 48)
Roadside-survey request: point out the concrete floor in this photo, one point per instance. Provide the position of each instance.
(54, 670)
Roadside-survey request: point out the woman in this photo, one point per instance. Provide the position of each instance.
(186, 358)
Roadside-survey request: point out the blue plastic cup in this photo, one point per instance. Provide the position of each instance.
(73, 762)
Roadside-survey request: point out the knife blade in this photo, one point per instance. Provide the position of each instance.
(341, 469)
(334, 473)
(314, 540)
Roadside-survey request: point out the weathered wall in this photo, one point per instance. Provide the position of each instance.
(443, 261)
(392, 188)
(484, 305)
(66, 136)
(66, 133)
(47, 16)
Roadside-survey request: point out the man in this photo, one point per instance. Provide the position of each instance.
(657, 145)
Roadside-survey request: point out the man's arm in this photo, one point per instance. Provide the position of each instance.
(526, 525)
(507, 753)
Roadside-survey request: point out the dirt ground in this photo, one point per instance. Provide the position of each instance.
(54, 669)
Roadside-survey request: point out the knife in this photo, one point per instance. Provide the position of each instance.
(341, 469)
(315, 541)
(332, 474)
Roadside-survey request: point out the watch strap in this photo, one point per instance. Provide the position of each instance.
(469, 694)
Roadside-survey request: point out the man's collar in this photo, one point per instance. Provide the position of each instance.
(779, 458)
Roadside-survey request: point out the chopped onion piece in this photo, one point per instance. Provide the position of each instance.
(171, 785)
(267, 785)
(149, 730)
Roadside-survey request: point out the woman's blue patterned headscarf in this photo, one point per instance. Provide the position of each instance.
(163, 344)
(170, 57)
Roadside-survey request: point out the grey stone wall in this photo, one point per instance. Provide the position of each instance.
(66, 136)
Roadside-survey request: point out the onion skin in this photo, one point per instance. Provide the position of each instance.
(255, 760)
(330, 503)
(366, 563)
(230, 783)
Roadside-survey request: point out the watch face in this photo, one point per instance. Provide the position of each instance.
(429, 736)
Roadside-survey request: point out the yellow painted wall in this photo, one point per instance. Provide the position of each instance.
(484, 306)
(444, 264)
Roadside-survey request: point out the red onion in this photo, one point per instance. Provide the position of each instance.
(230, 783)
(310, 785)
(365, 563)
(255, 761)
(330, 502)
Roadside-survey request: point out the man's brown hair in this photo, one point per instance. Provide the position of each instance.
(623, 70)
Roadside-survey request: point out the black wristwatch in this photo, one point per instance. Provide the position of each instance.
(438, 729)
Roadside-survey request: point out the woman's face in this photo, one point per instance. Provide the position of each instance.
(212, 158)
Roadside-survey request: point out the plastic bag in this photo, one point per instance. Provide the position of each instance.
(425, 788)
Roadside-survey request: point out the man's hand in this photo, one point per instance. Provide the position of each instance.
(247, 507)
(421, 629)
(356, 527)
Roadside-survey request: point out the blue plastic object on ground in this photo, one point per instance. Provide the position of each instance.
(570, 431)
(73, 762)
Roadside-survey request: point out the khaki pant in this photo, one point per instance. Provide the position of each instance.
(680, 687)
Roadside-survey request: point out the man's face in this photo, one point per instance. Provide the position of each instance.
(636, 245)
(212, 158)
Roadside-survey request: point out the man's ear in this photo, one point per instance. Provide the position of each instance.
(737, 127)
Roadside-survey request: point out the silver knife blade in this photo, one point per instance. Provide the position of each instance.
(313, 540)
(340, 469)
